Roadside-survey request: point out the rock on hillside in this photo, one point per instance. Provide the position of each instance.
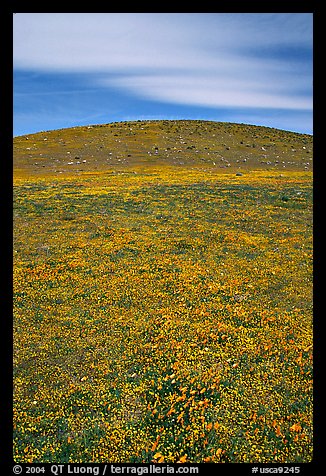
(218, 145)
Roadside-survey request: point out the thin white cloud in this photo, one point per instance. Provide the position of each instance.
(91, 41)
(100, 42)
(197, 59)
(209, 92)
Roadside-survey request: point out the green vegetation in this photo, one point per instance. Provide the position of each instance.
(162, 302)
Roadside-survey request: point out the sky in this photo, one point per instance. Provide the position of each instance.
(74, 69)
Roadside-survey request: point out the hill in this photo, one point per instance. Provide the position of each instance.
(163, 294)
(203, 144)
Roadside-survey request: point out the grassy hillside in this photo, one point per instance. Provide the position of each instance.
(163, 298)
(121, 146)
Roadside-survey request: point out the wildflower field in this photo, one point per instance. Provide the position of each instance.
(163, 300)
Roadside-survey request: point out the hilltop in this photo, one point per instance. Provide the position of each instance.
(197, 144)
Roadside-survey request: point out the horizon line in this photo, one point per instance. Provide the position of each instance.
(162, 120)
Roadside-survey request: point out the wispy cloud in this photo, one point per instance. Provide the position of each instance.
(210, 60)
(90, 42)
(219, 90)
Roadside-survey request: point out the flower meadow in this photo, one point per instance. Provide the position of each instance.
(163, 315)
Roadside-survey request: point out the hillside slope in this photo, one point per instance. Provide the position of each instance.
(162, 295)
(204, 144)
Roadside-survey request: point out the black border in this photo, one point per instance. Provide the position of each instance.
(6, 101)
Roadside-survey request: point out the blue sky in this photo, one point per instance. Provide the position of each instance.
(89, 68)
